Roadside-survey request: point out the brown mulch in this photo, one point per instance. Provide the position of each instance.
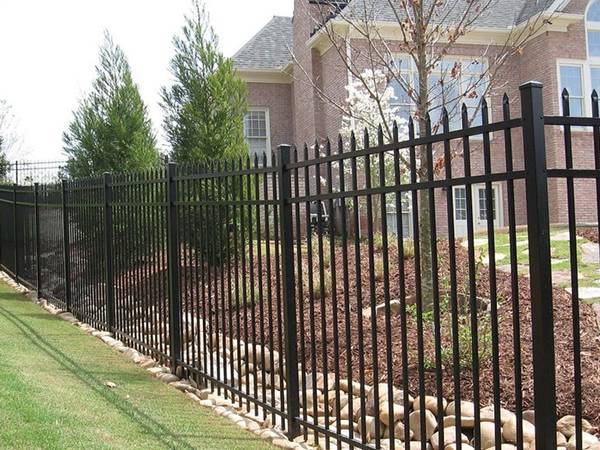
(319, 330)
(589, 233)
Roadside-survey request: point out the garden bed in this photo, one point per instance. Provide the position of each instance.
(314, 328)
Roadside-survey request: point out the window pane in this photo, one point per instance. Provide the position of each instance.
(460, 203)
(403, 63)
(483, 204)
(255, 124)
(593, 14)
(257, 147)
(595, 75)
(594, 43)
(400, 94)
(570, 77)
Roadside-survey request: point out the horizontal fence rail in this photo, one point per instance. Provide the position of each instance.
(363, 293)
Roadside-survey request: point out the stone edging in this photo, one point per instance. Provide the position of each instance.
(203, 397)
(268, 431)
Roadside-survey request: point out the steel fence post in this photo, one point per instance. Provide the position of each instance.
(538, 226)
(66, 250)
(108, 253)
(289, 291)
(173, 263)
(15, 233)
(38, 266)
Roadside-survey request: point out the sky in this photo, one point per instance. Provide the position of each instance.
(48, 51)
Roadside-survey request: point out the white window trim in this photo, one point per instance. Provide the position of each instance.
(475, 205)
(267, 129)
(586, 74)
(462, 58)
(590, 26)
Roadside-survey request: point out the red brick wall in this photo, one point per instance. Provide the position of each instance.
(311, 117)
(278, 99)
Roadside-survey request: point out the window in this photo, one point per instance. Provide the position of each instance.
(483, 204)
(580, 78)
(572, 80)
(256, 132)
(452, 82)
(592, 20)
(460, 203)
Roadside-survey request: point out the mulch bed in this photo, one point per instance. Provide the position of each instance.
(318, 329)
(589, 233)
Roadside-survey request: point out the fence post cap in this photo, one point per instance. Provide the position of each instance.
(532, 84)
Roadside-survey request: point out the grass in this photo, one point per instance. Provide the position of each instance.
(560, 252)
(53, 393)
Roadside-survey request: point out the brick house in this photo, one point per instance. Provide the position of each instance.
(286, 107)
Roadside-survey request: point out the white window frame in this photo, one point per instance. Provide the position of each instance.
(592, 62)
(590, 26)
(586, 74)
(411, 71)
(269, 150)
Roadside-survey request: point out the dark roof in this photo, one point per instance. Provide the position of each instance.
(501, 13)
(269, 49)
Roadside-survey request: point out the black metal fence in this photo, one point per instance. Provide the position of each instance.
(29, 172)
(219, 271)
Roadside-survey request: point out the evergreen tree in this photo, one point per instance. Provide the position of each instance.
(111, 130)
(4, 163)
(205, 106)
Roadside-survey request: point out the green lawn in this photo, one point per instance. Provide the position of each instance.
(589, 275)
(53, 393)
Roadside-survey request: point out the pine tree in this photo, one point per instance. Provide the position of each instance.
(205, 106)
(111, 130)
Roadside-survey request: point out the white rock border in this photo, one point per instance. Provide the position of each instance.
(203, 397)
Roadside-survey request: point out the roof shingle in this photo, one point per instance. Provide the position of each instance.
(500, 14)
(269, 49)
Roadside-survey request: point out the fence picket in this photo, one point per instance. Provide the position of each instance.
(269, 282)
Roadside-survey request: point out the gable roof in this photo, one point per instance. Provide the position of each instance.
(501, 14)
(269, 49)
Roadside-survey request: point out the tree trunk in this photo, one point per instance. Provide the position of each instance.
(424, 212)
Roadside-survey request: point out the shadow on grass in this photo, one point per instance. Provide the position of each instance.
(159, 431)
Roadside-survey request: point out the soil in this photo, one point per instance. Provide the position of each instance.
(324, 324)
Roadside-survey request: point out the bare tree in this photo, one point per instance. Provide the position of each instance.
(425, 32)
(11, 139)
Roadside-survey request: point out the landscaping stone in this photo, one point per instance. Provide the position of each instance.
(384, 413)
(414, 421)
(168, 378)
(566, 426)
(431, 403)
(369, 422)
(505, 415)
(529, 415)
(455, 447)
(590, 253)
(509, 431)
(488, 434)
(587, 440)
(562, 236)
(586, 293)
(450, 437)
(466, 409)
(465, 422)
